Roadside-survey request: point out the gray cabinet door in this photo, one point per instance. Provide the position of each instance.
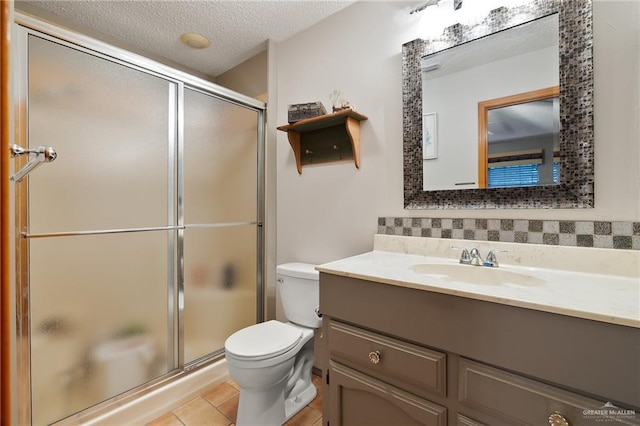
(357, 399)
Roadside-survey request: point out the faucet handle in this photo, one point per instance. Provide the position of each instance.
(492, 258)
(465, 257)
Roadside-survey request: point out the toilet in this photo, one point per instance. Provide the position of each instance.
(272, 361)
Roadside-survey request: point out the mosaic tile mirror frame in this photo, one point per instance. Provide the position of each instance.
(576, 188)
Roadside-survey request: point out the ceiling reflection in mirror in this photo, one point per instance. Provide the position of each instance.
(447, 78)
(455, 81)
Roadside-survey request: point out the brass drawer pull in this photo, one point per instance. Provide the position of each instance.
(374, 357)
(557, 419)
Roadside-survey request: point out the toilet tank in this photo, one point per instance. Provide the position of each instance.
(298, 285)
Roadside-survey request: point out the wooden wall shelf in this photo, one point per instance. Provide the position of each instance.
(329, 137)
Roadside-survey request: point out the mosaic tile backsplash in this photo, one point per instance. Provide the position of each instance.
(599, 234)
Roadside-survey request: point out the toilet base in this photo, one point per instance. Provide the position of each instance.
(261, 408)
(265, 408)
(297, 403)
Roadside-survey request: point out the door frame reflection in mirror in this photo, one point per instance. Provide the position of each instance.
(576, 188)
(483, 122)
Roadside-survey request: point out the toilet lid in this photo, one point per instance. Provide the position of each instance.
(264, 340)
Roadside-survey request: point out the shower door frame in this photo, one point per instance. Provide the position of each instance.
(26, 25)
(6, 127)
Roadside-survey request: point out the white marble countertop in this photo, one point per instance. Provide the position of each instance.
(596, 284)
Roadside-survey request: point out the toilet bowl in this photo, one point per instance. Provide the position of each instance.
(272, 361)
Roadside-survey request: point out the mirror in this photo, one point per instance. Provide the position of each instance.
(502, 65)
(567, 178)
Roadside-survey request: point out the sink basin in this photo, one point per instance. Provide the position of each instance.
(480, 275)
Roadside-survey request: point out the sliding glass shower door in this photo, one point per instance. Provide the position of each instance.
(145, 225)
(220, 218)
(99, 305)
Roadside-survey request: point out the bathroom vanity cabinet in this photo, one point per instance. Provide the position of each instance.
(401, 356)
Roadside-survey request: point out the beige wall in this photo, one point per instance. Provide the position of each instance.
(331, 210)
(248, 78)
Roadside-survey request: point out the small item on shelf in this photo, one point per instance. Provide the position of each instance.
(338, 102)
(299, 112)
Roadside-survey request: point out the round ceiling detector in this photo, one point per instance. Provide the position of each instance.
(194, 40)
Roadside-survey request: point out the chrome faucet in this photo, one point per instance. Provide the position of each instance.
(473, 257)
(476, 259)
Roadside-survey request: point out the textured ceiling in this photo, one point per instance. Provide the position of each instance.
(237, 29)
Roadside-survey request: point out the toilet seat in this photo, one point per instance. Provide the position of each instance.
(262, 341)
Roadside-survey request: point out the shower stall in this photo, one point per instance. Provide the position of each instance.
(138, 213)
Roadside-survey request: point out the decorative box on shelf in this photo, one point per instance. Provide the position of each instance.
(326, 138)
(299, 112)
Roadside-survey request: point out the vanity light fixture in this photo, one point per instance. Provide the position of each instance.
(194, 40)
(457, 4)
(428, 64)
(431, 67)
(424, 6)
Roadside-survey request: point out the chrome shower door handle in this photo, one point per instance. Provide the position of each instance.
(17, 150)
(49, 153)
(43, 154)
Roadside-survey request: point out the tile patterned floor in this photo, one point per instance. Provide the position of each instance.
(217, 406)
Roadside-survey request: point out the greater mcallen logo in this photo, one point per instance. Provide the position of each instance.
(608, 412)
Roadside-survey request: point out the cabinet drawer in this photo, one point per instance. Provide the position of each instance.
(356, 399)
(466, 421)
(522, 401)
(410, 366)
